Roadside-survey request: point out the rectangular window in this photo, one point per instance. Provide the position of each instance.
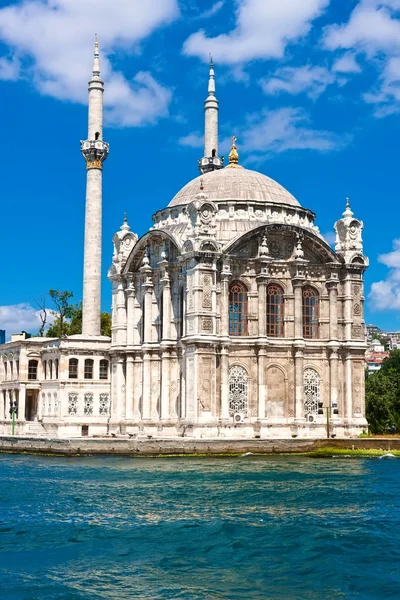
(88, 374)
(73, 368)
(32, 369)
(103, 371)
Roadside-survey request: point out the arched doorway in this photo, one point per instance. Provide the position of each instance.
(238, 390)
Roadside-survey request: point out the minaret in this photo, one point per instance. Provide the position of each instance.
(211, 161)
(94, 151)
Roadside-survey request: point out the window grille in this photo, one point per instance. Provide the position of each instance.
(238, 390)
(88, 404)
(310, 313)
(104, 404)
(72, 404)
(275, 311)
(311, 393)
(238, 307)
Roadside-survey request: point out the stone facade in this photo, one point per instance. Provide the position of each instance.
(236, 318)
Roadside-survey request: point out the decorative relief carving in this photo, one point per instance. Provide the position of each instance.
(356, 331)
(190, 291)
(206, 324)
(357, 310)
(356, 289)
(207, 283)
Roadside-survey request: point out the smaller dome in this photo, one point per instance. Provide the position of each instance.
(235, 184)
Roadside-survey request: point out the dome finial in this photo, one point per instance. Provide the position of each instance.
(233, 154)
(125, 226)
(348, 212)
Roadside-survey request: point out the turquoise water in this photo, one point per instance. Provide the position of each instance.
(255, 527)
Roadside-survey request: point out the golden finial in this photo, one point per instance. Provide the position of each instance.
(96, 41)
(234, 155)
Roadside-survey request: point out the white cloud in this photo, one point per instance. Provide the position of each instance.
(346, 64)
(263, 30)
(192, 140)
(15, 318)
(372, 27)
(294, 80)
(285, 129)
(386, 96)
(53, 39)
(211, 11)
(385, 294)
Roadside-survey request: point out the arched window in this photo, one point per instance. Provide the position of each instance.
(103, 370)
(51, 369)
(311, 394)
(310, 312)
(88, 373)
(238, 308)
(56, 364)
(238, 390)
(73, 368)
(45, 368)
(32, 369)
(275, 311)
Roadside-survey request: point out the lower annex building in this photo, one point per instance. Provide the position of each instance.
(231, 317)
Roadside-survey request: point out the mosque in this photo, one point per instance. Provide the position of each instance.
(231, 317)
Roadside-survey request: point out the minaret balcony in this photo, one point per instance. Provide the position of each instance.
(94, 152)
(211, 163)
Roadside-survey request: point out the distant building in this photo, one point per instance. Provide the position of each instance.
(374, 356)
(2, 336)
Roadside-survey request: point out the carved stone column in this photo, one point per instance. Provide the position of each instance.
(129, 387)
(130, 316)
(262, 357)
(146, 383)
(121, 388)
(349, 387)
(348, 308)
(333, 314)
(225, 276)
(299, 382)
(165, 384)
(298, 307)
(148, 304)
(21, 403)
(166, 323)
(334, 380)
(224, 382)
(137, 387)
(262, 292)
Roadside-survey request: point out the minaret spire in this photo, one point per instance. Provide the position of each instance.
(211, 161)
(94, 151)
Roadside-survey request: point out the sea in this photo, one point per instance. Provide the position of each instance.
(250, 527)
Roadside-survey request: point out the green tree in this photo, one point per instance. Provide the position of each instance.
(382, 395)
(62, 312)
(73, 325)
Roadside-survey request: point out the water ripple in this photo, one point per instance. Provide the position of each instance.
(252, 528)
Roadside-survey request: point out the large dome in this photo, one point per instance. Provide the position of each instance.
(235, 184)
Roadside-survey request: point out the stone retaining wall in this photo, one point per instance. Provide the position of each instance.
(153, 447)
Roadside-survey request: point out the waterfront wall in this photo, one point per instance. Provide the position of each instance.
(155, 447)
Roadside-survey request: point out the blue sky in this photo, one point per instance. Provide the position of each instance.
(310, 88)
